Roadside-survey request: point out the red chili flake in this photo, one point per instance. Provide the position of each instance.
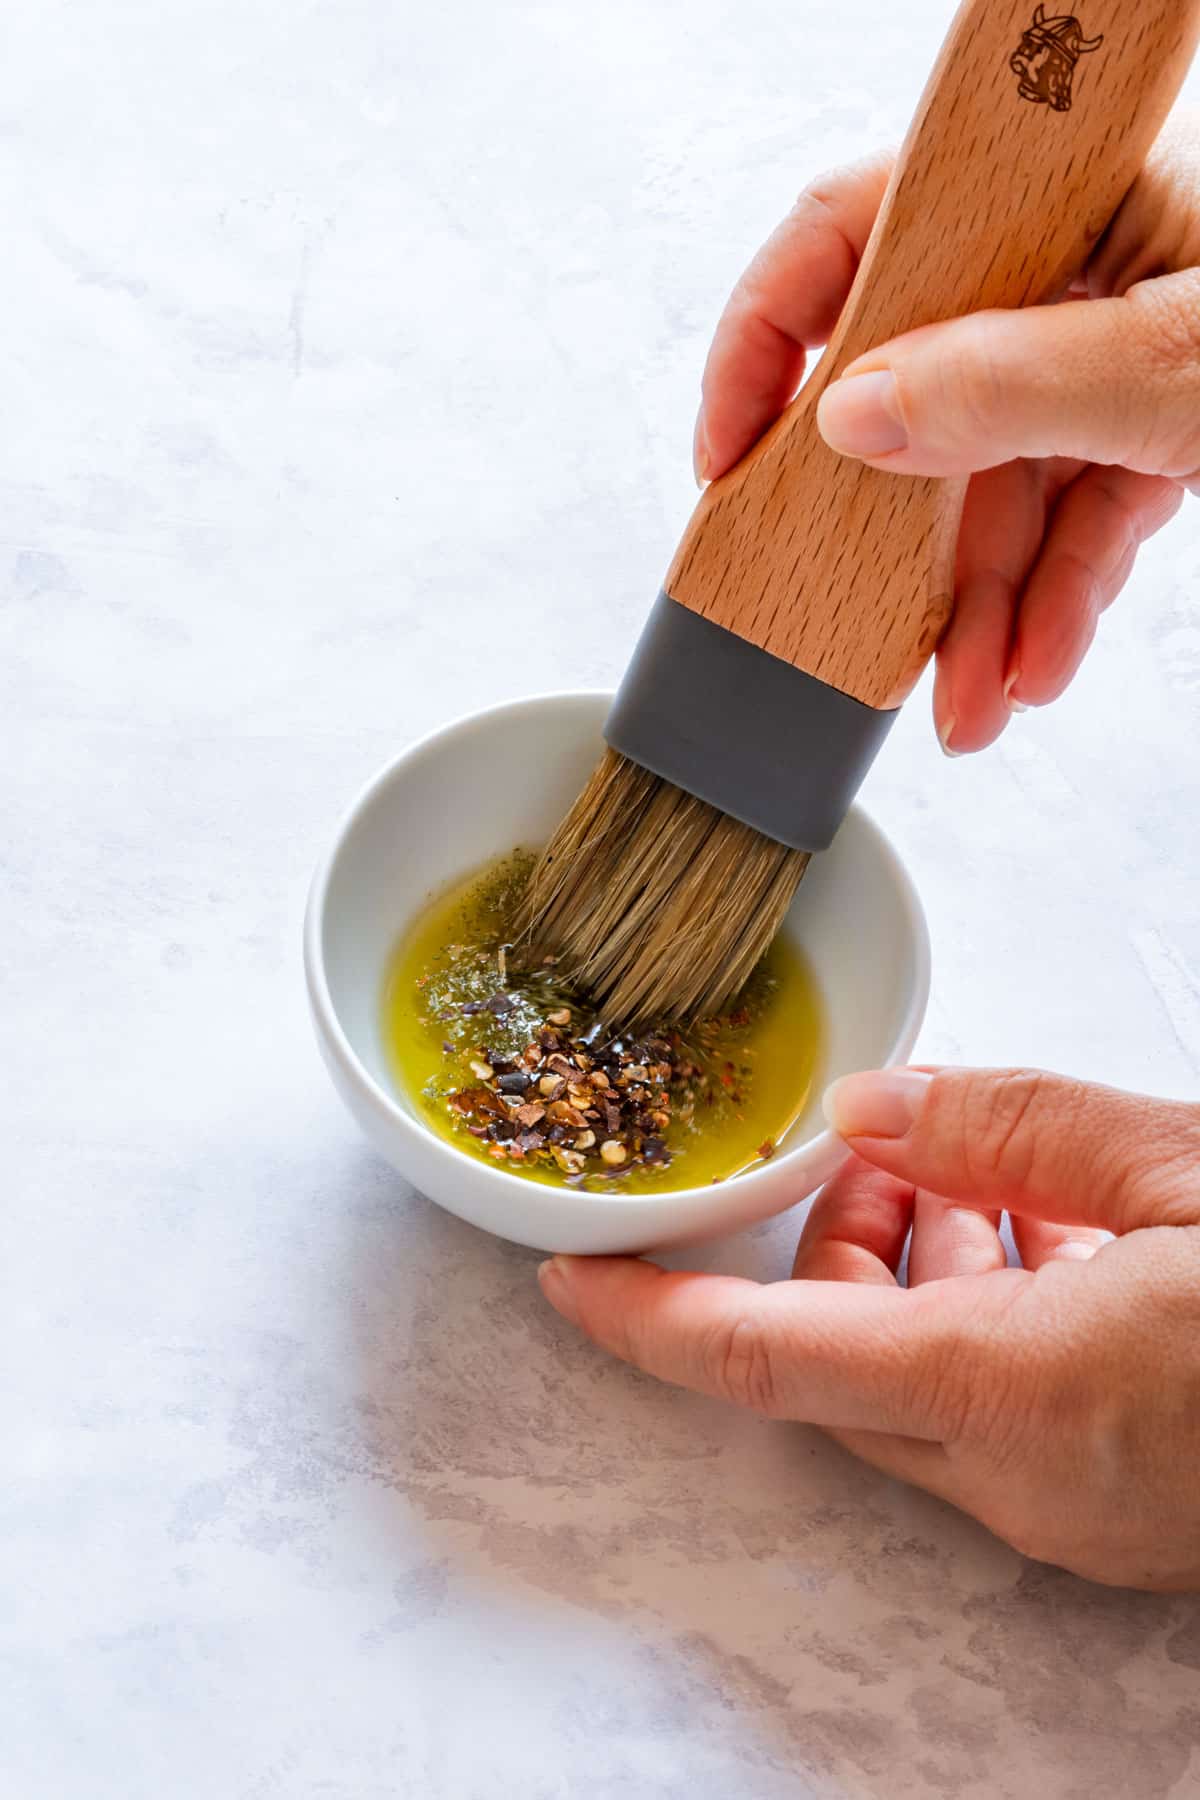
(766, 1150)
(563, 1113)
(469, 1100)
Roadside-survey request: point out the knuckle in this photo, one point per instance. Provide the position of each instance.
(820, 209)
(999, 1126)
(1123, 524)
(971, 376)
(827, 191)
(1166, 438)
(1187, 1119)
(827, 194)
(1081, 585)
(1170, 310)
(1171, 1179)
(821, 194)
(998, 1414)
(973, 1385)
(741, 1365)
(937, 1395)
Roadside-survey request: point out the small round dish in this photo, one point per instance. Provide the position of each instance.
(471, 793)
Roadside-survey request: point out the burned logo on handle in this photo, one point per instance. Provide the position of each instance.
(1046, 57)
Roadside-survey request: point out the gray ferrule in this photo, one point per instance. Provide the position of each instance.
(740, 728)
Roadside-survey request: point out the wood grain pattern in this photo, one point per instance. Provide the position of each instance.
(996, 201)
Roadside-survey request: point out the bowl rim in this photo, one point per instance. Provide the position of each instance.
(539, 1197)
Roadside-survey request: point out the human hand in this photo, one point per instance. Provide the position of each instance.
(1059, 1403)
(1079, 423)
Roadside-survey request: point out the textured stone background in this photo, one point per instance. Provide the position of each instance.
(333, 334)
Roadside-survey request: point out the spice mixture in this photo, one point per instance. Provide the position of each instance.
(510, 1065)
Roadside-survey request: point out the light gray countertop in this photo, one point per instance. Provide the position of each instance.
(333, 334)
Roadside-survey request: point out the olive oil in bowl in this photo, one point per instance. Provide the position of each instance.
(507, 1065)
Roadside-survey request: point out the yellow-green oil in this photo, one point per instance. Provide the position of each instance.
(450, 957)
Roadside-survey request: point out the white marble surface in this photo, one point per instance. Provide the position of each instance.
(332, 333)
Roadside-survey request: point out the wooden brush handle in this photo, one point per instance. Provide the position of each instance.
(996, 201)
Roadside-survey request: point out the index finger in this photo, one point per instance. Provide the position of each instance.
(842, 1355)
(787, 301)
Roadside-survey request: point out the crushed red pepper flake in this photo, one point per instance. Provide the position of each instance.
(588, 1104)
(546, 1085)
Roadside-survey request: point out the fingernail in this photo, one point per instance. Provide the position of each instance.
(946, 733)
(1072, 1250)
(1014, 706)
(860, 415)
(880, 1105)
(554, 1284)
(701, 461)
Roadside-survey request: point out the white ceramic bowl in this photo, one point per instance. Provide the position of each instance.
(503, 778)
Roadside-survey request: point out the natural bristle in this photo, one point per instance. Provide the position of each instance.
(657, 905)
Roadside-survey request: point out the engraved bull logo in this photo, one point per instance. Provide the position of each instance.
(1046, 57)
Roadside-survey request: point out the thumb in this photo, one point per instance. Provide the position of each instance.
(1040, 1146)
(1107, 381)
